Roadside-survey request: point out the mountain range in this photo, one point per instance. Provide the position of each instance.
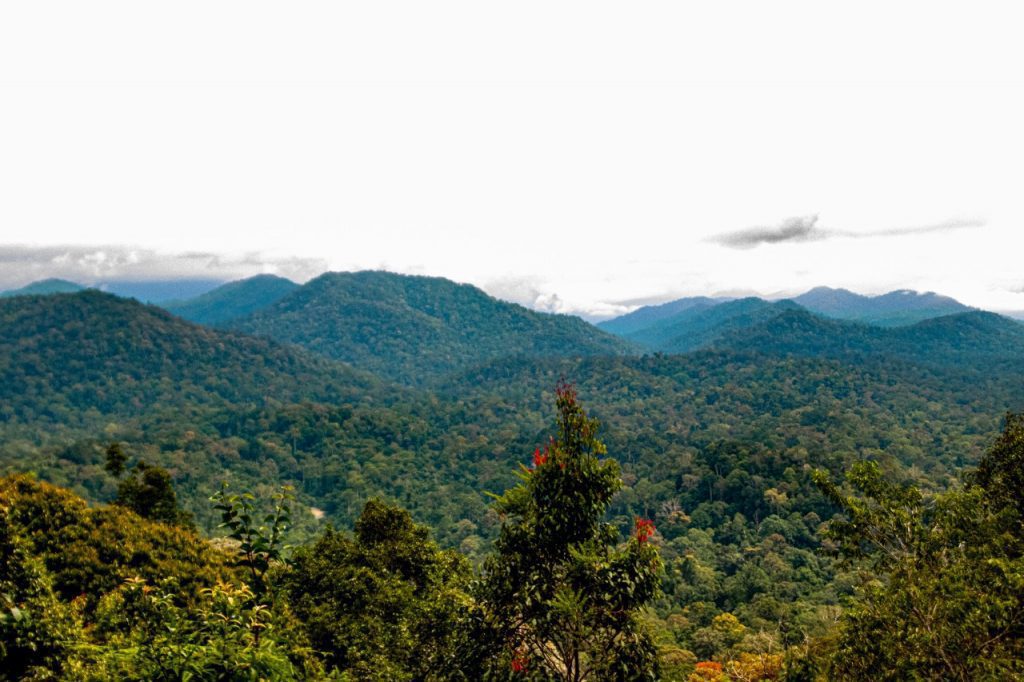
(431, 395)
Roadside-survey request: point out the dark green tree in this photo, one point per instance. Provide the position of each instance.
(383, 604)
(149, 492)
(560, 598)
(1001, 471)
(116, 459)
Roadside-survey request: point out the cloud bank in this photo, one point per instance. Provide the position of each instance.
(807, 229)
(94, 265)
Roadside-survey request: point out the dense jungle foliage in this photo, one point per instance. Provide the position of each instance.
(732, 454)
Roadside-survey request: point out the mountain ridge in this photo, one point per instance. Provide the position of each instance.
(232, 300)
(410, 328)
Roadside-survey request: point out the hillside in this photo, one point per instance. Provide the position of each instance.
(414, 329)
(232, 300)
(71, 358)
(44, 287)
(893, 309)
(700, 325)
(649, 315)
(972, 340)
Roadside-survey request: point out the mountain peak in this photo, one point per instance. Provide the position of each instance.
(45, 287)
(233, 300)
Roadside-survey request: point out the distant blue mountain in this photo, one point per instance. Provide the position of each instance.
(44, 287)
(699, 326)
(160, 291)
(894, 309)
(649, 315)
(233, 300)
(696, 322)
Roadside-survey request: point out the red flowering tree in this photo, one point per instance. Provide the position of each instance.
(559, 600)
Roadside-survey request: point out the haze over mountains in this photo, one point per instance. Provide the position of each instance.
(148, 291)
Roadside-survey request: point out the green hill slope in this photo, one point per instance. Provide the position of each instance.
(414, 329)
(700, 326)
(965, 340)
(649, 315)
(72, 358)
(233, 300)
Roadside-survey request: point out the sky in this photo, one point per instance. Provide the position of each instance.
(582, 157)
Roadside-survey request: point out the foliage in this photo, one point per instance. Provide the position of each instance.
(1001, 471)
(258, 545)
(66, 357)
(89, 552)
(142, 633)
(559, 599)
(147, 491)
(116, 460)
(37, 631)
(944, 596)
(384, 604)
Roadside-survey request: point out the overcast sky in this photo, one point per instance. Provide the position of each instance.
(581, 157)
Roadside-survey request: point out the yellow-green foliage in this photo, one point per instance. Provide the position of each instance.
(92, 551)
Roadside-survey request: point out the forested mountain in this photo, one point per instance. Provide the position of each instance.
(66, 357)
(691, 323)
(44, 287)
(701, 326)
(413, 329)
(232, 300)
(648, 315)
(972, 340)
(893, 309)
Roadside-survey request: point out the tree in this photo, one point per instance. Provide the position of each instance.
(148, 492)
(383, 604)
(560, 598)
(116, 459)
(1001, 471)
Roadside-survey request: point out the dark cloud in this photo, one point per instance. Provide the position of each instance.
(807, 229)
(94, 265)
(801, 229)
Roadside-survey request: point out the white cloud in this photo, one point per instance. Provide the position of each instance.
(588, 147)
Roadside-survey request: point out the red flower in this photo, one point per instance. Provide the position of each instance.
(539, 458)
(643, 530)
(519, 663)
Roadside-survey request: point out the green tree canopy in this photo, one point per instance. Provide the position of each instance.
(383, 604)
(560, 597)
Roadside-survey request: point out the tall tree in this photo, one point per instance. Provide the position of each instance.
(559, 600)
